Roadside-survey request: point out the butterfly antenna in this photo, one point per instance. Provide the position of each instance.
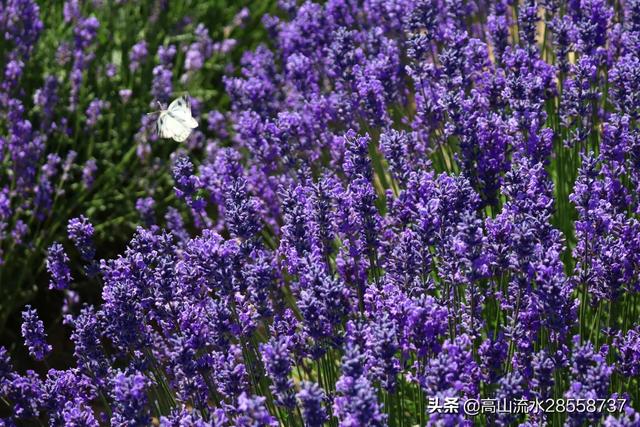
(157, 111)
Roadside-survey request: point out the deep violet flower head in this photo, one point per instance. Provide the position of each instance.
(627, 346)
(242, 210)
(313, 400)
(81, 232)
(356, 403)
(58, 267)
(34, 335)
(277, 361)
(130, 398)
(253, 413)
(5, 365)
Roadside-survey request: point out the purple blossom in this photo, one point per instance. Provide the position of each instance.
(356, 403)
(312, 399)
(199, 51)
(627, 346)
(88, 173)
(175, 224)
(146, 208)
(629, 418)
(241, 210)
(166, 54)
(58, 267)
(401, 195)
(81, 232)
(277, 361)
(64, 387)
(137, 55)
(26, 393)
(130, 399)
(26, 15)
(191, 418)
(86, 337)
(162, 86)
(590, 376)
(252, 412)
(6, 368)
(94, 110)
(85, 33)
(34, 335)
(125, 95)
(79, 414)
(324, 303)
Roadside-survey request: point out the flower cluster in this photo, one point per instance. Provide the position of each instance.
(68, 117)
(414, 198)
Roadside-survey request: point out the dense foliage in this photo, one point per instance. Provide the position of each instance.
(407, 200)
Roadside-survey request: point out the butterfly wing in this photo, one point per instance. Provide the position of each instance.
(180, 109)
(170, 127)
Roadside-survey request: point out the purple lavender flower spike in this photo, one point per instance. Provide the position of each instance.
(242, 211)
(89, 173)
(26, 393)
(86, 337)
(81, 234)
(34, 335)
(185, 417)
(94, 110)
(629, 418)
(627, 347)
(590, 376)
(312, 400)
(58, 267)
(146, 208)
(175, 224)
(356, 403)
(138, 55)
(130, 400)
(162, 86)
(252, 412)
(79, 414)
(277, 361)
(166, 54)
(6, 368)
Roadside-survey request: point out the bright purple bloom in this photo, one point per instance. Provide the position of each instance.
(627, 346)
(58, 267)
(130, 400)
(34, 335)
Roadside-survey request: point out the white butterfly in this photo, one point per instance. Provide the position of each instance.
(176, 121)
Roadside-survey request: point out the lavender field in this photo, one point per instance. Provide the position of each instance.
(391, 213)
